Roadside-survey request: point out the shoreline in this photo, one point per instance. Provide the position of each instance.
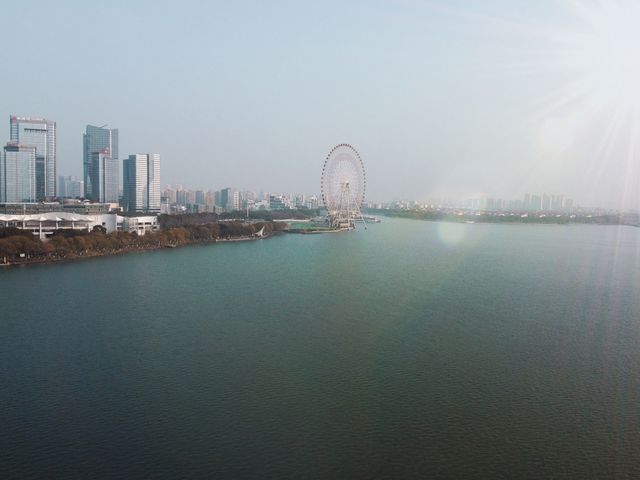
(485, 221)
(125, 251)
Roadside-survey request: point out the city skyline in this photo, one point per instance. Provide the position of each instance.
(101, 166)
(105, 140)
(486, 99)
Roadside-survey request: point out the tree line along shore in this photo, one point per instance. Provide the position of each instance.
(509, 217)
(18, 247)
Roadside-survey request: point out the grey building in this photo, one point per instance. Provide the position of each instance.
(277, 202)
(141, 183)
(70, 187)
(41, 134)
(96, 140)
(18, 173)
(229, 199)
(104, 177)
(225, 193)
(536, 203)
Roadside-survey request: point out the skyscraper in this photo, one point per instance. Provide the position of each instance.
(96, 140)
(234, 201)
(70, 187)
(104, 178)
(557, 203)
(41, 134)
(536, 203)
(141, 183)
(18, 173)
(223, 199)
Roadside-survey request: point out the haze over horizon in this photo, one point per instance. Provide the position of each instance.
(440, 98)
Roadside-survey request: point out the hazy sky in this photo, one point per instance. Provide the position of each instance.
(441, 98)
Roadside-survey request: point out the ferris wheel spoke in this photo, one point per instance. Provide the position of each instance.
(343, 186)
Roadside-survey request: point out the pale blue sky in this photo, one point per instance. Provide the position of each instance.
(453, 98)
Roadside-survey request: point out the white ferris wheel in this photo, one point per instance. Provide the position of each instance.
(343, 185)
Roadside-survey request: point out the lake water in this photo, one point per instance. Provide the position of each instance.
(413, 349)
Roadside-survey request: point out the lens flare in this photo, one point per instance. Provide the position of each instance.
(451, 233)
(604, 52)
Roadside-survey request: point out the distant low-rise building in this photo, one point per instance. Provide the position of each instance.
(138, 224)
(21, 208)
(44, 225)
(278, 202)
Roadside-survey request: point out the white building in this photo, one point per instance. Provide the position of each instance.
(139, 225)
(141, 183)
(44, 224)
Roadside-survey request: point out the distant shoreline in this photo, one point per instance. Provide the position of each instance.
(506, 219)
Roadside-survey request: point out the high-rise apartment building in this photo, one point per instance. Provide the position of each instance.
(557, 203)
(70, 187)
(568, 205)
(536, 203)
(98, 140)
(223, 197)
(209, 198)
(182, 197)
(41, 134)
(18, 173)
(235, 202)
(141, 183)
(170, 195)
(229, 199)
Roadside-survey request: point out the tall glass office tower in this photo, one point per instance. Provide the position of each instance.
(104, 177)
(141, 183)
(18, 173)
(98, 140)
(41, 134)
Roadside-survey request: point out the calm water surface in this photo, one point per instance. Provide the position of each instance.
(413, 349)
